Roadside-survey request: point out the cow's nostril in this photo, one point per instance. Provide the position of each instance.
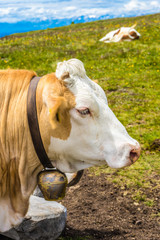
(134, 154)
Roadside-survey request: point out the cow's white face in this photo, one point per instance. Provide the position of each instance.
(96, 136)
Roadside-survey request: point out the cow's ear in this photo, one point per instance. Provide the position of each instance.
(64, 76)
(55, 109)
(67, 79)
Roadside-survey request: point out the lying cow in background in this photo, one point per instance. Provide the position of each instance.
(77, 127)
(121, 34)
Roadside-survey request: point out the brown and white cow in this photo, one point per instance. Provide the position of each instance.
(121, 34)
(86, 132)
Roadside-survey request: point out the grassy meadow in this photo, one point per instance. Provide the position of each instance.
(129, 73)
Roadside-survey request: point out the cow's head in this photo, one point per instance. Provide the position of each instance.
(92, 133)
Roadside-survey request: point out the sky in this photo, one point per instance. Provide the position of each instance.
(13, 11)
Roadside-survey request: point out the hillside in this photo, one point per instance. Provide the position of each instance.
(129, 72)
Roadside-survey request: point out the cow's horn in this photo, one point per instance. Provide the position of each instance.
(134, 25)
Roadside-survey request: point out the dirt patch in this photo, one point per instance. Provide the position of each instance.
(155, 145)
(98, 209)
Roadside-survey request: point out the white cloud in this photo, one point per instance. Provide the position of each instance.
(155, 3)
(134, 4)
(71, 8)
(41, 9)
(139, 6)
(32, 10)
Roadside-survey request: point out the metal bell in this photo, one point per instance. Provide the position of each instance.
(52, 184)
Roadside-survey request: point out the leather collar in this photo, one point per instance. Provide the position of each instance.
(34, 126)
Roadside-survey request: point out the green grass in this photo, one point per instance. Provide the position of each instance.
(129, 72)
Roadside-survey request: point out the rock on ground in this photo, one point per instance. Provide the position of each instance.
(44, 220)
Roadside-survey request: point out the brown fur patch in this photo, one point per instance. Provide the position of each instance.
(125, 37)
(117, 32)
(59, 102)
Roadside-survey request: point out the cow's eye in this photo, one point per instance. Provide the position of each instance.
(84, 111)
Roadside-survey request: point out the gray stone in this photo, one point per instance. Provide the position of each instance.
(44, 220)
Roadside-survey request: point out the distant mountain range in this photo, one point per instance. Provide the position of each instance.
(26, 26)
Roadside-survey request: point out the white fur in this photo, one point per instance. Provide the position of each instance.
(94, 139)
(8, 218)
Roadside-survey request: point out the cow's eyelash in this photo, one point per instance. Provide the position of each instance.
(85, 111)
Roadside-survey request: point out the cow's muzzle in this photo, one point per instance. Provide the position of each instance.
(135, 153)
